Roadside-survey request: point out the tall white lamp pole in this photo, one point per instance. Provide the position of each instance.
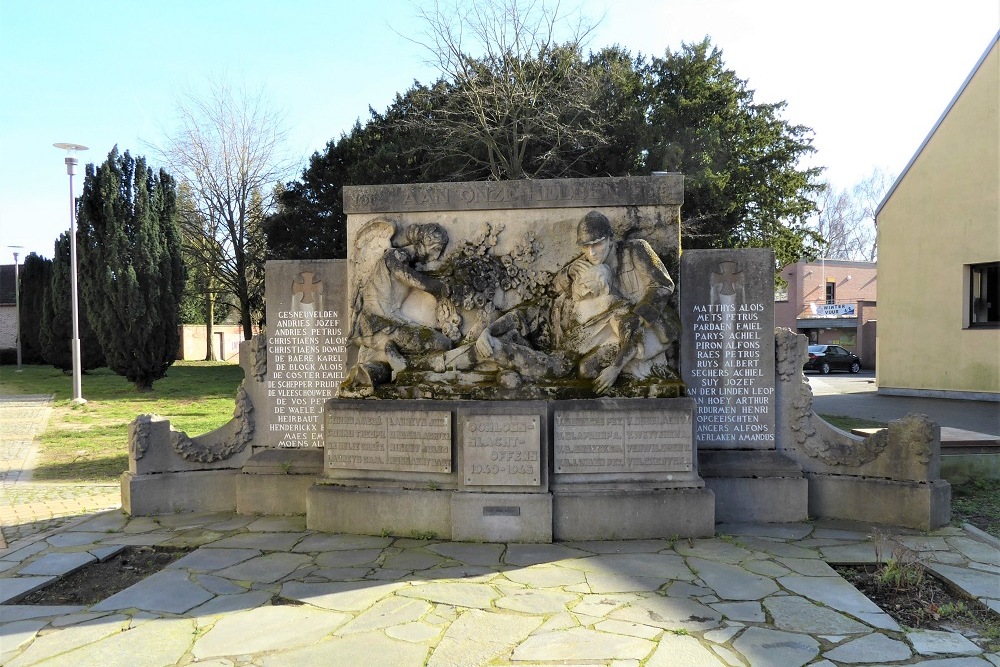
(71, 162)
(17, 307)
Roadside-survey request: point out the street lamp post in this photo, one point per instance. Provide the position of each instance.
(71, 162)
(17, 308)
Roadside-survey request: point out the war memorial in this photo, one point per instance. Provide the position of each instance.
(530, 361)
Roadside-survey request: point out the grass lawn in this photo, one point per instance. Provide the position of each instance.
(89, 443)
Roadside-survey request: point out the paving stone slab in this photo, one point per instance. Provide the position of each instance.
(536, 602)
(271, 629)
(166, 591)
(57, 563)
(785, 531)
(415, 632)
(809, 566)
(75, 539)
(12, 588)
(347, 558)
(834, 592)
(471, 554)
(941, 642)
(412, 559)
(674, 650)
(20, 612)
(217, 585)
(261, 541)
(536, 554)
(777, 548)
(670, 614)
(797, 614)
(159, 642)
(861, 552)
(265, 569)
(53, 643)
(628, 628)
(387, 613)
(494, 635)
(762, 646)
(278, 524)
(873, 648)
(750, 612)
(713, 549)
(336, 542)
(340, 596)
(620, 546)
(208, 560)
(730, 582)
(976, 550)
(228, 604)
(976, 583)
(459, 594)
(104, 522)
(766, 568)
(370, 650)
(581, 644)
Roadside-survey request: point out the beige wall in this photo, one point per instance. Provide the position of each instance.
(226, 347)
(943, 215)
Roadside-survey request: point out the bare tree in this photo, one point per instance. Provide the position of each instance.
(846, 218)
(523, 107)
(226, 150)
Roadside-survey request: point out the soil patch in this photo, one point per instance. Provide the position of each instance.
(97, 581)
(923, 601)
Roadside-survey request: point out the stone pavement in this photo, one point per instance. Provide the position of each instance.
(265, 591)
(28, 507)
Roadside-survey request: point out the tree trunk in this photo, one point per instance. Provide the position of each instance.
(209, 322)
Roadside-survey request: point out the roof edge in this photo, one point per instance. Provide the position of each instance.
(920, 149)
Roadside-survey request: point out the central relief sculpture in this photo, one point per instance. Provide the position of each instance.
(430, 320)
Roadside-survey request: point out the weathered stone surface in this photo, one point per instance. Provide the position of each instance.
(536, 602)
(730, 582)
(976, 583)
(873, 649)
(371, 649)
(534, 554)
(265, 569)
(156, 642)
(336, 542)
(544, 576)
(669, 614)
(751, 612)
(54, 643)
(386, 613)
(228, 604)
(274, 628)
(262, 541)
(348, 558)
(415, 632)
(940, 642)
(57, 563)
(812, 567)
(412, 559)
(473, 554)
(495, 635)
(762, 646)
(797, 614)
(341, 596)
(833, 592)
(460, 594)
(681, 650)
(582, 644)
(166, 591)
(208, 560)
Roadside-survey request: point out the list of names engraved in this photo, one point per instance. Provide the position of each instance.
(410, 441)
(307, 354)
(616, 441)
(501, 450)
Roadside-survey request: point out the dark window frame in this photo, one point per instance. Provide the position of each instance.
(984, 295)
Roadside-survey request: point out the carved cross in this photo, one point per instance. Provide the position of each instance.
(728, 278)
(307, 286)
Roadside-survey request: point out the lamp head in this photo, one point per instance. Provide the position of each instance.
(71, 151)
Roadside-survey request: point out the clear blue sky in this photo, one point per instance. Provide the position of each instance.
(871, 77)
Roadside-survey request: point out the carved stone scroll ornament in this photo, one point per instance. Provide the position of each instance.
(138, 441)
(237, 441)
(790, 351)
(259, 362)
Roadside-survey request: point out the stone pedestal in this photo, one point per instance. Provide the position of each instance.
(754, 486)
(919, 505)
(634, 515)
(196, 491)
(275, 481)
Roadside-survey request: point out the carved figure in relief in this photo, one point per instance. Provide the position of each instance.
(613, 310)
(386, 276)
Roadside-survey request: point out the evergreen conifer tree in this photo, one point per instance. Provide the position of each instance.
(55, 333)
(34, 276)
(131, 271)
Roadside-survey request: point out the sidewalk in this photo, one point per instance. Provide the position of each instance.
(268, 592)
(28, 507)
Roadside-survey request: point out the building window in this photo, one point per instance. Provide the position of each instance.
(984, 294)
(831, 292)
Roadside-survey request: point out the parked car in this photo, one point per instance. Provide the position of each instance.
(826, 358)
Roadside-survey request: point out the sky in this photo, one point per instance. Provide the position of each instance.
(870, 77)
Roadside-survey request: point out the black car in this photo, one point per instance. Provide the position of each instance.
(826, 358)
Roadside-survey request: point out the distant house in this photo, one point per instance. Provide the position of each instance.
(832, 301)
(8, 311)
(939, 253)
(225, 346)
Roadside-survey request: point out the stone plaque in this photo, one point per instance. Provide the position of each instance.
(401, 441)
(306, 347)
(501, 450)
(623, 441)
(727, 346)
